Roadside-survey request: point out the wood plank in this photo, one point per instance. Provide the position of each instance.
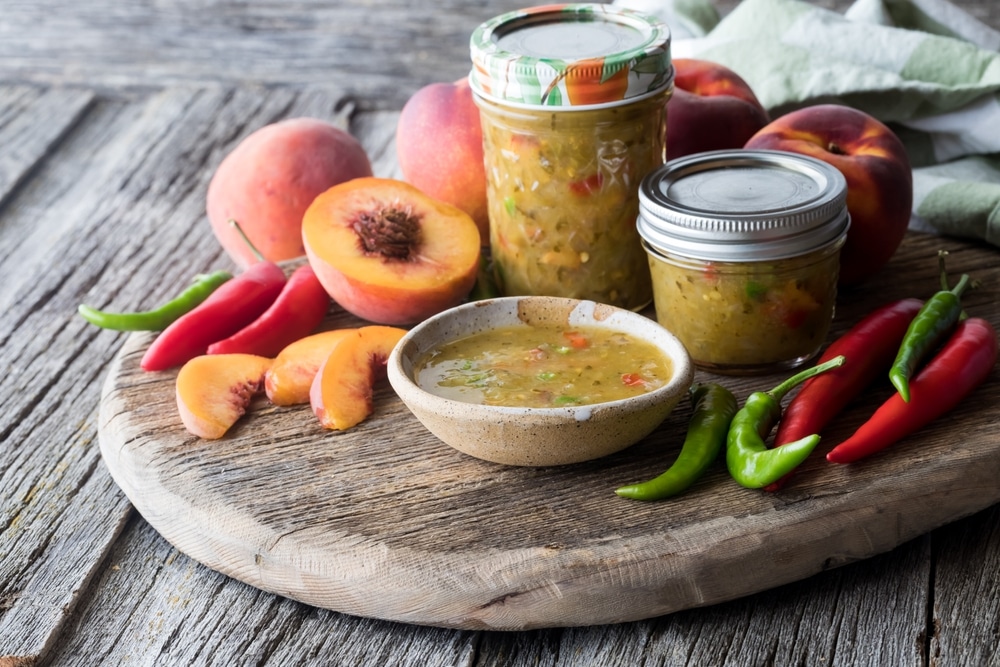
(967, 591)
(114, 45)
(559, 548)
(151, 600)
(32, 120)
(118, 46)
(869, 613)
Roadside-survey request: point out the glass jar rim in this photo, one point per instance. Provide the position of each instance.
(499, 101)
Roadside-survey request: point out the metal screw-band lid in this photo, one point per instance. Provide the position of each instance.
(571, 55)
(743, 205)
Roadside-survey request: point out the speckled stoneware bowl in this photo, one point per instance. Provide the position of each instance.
(537, 436)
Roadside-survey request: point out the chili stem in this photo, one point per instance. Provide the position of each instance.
(779, 392)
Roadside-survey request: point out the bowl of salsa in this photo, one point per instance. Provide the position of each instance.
(539, 381)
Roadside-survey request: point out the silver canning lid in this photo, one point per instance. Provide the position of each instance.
(740, 205)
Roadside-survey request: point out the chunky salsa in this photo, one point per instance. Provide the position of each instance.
(562, 191)
(747, 316)
(543, 367)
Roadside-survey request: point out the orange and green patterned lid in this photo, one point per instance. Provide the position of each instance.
(571, 55)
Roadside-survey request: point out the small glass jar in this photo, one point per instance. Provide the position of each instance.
(744, 249)
(572, 100)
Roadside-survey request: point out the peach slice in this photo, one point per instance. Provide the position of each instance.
(341, 392)
(388, 253)
(214, 390)
(289, 378)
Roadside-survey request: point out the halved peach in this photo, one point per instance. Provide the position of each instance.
(388, 253)
(289, 378)
(341, 392)
(214, 390)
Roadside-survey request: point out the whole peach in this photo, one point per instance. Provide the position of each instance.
(439, 146)
(712, 108)
(878, 173)
(269, 180)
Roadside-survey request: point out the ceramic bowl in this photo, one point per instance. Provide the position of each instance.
(537, 436)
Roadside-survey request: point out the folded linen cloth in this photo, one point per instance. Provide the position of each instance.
(925, 67)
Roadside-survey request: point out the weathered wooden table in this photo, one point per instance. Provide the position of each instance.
(112, 119)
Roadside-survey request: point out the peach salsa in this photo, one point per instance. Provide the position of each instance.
(743, 249)
(543, 367)
(572, 100)
(563, 203)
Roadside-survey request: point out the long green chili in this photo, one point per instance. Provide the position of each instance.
(931, 325)
(714, 407)
(162, 316)
(749, 460)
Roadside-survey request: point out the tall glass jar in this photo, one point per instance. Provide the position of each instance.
(573, 102)
(744, 248)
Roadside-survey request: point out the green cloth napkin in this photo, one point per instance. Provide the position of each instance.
(925, 67)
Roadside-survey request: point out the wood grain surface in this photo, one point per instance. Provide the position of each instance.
(385, 521)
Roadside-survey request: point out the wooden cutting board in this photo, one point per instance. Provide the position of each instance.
(386, 521)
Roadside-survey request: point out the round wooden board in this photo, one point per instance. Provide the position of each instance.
(386, 521)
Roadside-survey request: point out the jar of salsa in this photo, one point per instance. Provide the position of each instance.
(744, 248)
(573, 101)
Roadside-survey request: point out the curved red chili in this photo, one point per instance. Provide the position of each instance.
(235, 304)
(296, 313)
(870, 347)
(965, 361)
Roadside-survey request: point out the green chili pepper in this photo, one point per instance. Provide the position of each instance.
(714, 407)
(510, 206)
(930, 326)
(756, 291)
(159, 318)
(749, 460)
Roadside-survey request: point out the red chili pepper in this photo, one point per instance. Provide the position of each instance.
(965, 361)
(632, 380)
(576, 339)
(295, 314)
(588, 185)
(710, 273)
(787, 303)
(869, 348)
(231, 307)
